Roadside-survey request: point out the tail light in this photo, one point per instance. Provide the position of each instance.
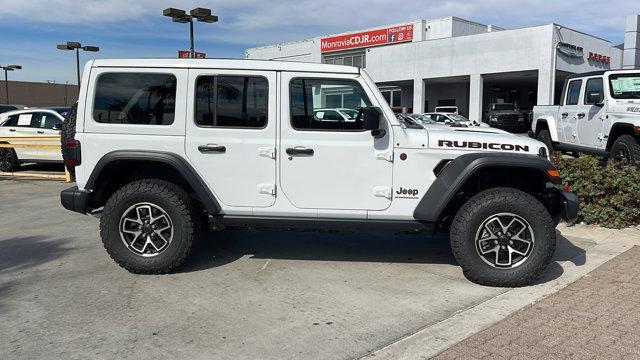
(71, 152)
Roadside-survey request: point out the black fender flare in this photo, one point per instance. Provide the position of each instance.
(177, 162)
(460, 169)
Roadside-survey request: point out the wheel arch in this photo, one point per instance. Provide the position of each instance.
(618, 130)
(548, 123)
(120, 167)
(469, 174)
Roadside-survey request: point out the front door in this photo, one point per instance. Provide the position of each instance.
(328, 164)
(231, 134)
(46, 122)
(22, 125)
(591, 116)
(569, 112)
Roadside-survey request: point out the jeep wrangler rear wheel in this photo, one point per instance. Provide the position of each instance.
(545, 137)
(149, 226)
(503, 237)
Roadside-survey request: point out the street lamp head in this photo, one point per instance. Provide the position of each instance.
(90, 48)
(73, 45)
(171, 12)
(200, 13)
(209, 19)
(63, 47)
(181, 19)
(15, 67)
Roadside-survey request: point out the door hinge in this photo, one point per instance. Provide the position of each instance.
(602, 136)
(267, 152)
(385, 155)
(382, 191)
(267, 189)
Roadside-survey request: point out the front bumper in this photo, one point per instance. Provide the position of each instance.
(570, 206)
(75, 199)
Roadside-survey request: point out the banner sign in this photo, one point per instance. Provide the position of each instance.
(392, 35)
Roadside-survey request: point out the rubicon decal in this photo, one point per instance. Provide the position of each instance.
(482, 145)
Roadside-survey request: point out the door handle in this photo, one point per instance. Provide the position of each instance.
(40, 132)
(212, 148)
(12, 130)
(581, 115)
(299, 151)
(564, 115)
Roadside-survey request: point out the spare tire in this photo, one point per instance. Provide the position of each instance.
(68, 132)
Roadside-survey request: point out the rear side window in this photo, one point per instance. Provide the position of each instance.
(594, 86)
(135, 98)
(232, 101)
(573, 92)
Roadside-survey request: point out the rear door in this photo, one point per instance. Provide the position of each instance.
(231, 134)
(569, 111)
(46, 122)
(328, 164)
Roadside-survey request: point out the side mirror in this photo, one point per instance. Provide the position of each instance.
(57, 126)
(593, 97)
(370, 117)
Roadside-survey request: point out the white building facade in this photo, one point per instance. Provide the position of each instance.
(422, 64)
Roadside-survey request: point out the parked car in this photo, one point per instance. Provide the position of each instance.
(450, 119)
(446, 109)
(154, 167)
(504, 116)
(599, 115)
(339, 114)
(29, 123)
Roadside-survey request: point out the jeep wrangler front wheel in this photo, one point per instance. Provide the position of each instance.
(147, 226)
(503, 237)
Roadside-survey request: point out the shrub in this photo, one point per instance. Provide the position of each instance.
(609, 194)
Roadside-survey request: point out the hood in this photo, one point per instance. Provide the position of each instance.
(477, 138)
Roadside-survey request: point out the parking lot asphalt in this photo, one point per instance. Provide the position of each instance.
(243, 294)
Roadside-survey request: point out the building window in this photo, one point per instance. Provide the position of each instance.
(393, 97)
(351, 59)
(135, 98)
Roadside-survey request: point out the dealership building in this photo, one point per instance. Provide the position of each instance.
(421, 64)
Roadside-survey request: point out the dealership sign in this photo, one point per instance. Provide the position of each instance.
(599, 58)
(185, 54)
(396, 34)
(570, 49)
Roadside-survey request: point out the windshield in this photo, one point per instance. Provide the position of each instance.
(457, 117)
(503, 107)
(625, 86)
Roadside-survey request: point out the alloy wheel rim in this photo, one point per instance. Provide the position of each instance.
(624, 154)
(6, 159)
(504, 240)
(146, 229)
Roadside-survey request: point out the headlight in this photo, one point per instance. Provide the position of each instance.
(493, 118)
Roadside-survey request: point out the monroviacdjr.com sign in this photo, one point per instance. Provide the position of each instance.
(396, 34)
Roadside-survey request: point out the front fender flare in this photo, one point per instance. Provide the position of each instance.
(459, 170)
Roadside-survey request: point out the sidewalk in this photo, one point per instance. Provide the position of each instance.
(596, 317)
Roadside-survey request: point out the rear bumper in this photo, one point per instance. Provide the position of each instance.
(75, 199)
(570, 206)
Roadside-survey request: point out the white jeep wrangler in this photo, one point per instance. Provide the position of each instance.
(162, 147)
(599, 115)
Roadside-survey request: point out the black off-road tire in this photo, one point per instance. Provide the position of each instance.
(482, 206)
(545, 137)
(8, 160)
(180, 209)
(627, 149)
(68, 132)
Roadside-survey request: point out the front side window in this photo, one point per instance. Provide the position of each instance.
(135, 98)
(310, 96)
(594, 86)
(573, 92)
(232, 101)
(625, 86)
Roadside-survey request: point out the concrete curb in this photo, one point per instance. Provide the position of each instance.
(436, 338)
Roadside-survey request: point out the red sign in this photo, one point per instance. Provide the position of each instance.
(599, 58)
(185, 54)
(397, 34)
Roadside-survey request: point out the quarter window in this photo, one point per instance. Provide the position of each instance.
(135, 98)
(310, 97)
(232, 101)
(594, 86)
(573, 92)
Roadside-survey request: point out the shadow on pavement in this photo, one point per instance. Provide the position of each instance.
(41, 167)
(19, 253)
(217, 249)
(565, 251)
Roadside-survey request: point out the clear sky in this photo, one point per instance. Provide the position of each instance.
(30, 29)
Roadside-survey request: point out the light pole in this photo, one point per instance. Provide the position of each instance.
(180, 16)
(6, 69)
(74, 45)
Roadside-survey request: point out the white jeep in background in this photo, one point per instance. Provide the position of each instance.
(599, 115)
(161, 147)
